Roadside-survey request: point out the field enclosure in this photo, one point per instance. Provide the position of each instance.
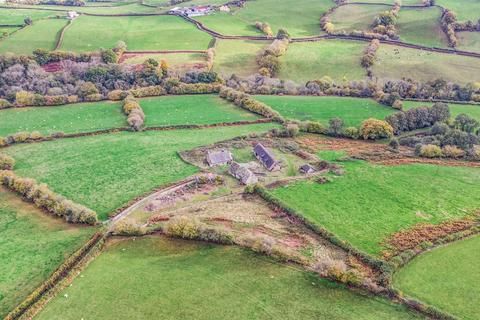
(216, 282)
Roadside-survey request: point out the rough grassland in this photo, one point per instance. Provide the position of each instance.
(17, 16)
(42, 34)
(82, 117)
(465, 9)
(371, 202)
(469, 41)
(176, 61)
(352, 110)
(32, 246)
(446, 277)
(421, 26)
(237, 57)
(312, 60)
(356, 16)
(194, 109)
(396, 63)
(300, 18)
(174, 279)
(139, 33)
(104, 172)
(455, 109)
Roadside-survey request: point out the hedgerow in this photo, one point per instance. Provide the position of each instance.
(135, 115)
(44, 198)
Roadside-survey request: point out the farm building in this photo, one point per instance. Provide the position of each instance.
(307, 169)
(219, 157)
(192, 11)
(242, 173)
(71, 15)
(265, 157)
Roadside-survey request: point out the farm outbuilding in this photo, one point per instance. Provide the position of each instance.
(219, 157)
(265, 157)
(307, 169)
(242, 173)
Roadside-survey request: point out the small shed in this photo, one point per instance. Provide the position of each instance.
(307, 169)
(242, 173)
(265, 157)
(219, 157)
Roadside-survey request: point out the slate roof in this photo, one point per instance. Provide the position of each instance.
(219, 157)
(306, 168)
(264, 156)
(242, 173)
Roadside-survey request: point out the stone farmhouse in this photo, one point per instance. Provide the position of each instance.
(242, 173)
(265, 157)
(192, 11)
(219, 157)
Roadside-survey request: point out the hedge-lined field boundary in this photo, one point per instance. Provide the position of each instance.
(29, 305)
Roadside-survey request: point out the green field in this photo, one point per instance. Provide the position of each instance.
(74, 118)
(352, 110)
(371, 202)
(237, 57)
(230, 24)
(194, 109)
(404, 2)
(101, 8)
(106, 171)
(396, 63)
(300, 18)
(421, 26)
(176, 61)
(32, 246)
(455, 109)
(42, 34)
(356, 16)
(139, 33)
(465, 9)
(189, 280)
(17, 16)
(446, 277)
(337, 59)
(469, 41)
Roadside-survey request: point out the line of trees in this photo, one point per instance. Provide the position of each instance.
(269, 60)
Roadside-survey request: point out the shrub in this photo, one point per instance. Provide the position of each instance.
(374, 129)
(313, 127)
(439, 129)
(116, 95)
(86, 89)
(453, 152)
(129, 228)
(352, 133)
(19, 137)
(93, 97)
(335, 127)
(4, 104)
(394, 144)
(148, 91)
(6, 162)
(24, 98)
(182, 227)
(430, 151)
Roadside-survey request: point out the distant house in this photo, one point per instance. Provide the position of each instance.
(192, 11)
(224, 8)
(219, 157)
(242, 173)
(265, 157)
(72, 15)
(307, 169)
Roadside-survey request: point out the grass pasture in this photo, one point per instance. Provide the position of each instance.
(300, 18)
(215, 282)
(101, 8)
(465, 9)
(17, 16)
(422, 27)
(191, 109)
(32, 246)
(237, 57)
(74, 118)
(446, 277)
(356, 16)
(106, 171)
(396, 63)
(352, 110)
(337, 59)
(179, 62)
(139, 33)
(469, 41)
(42, 34)
(371, 202)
